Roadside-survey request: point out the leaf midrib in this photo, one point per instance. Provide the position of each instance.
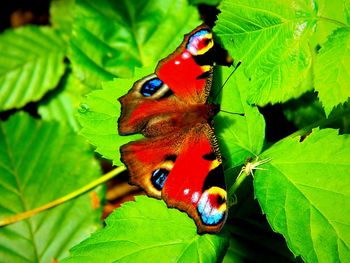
(33, 60)
(172, 243)
(20, 193)
(312, 205)
(258, 9)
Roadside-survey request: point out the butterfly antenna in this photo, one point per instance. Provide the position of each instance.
(233, 71)
(233, 113)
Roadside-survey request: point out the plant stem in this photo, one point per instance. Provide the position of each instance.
(232, 191)
(333, 21)
(61, 200)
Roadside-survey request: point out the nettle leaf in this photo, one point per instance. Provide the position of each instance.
(347, 11)
(62, 16)
(99, 113)
(40, 162)
(205, 2)
(252, 239)
(111, 38)
(304, 111)
(148, 230)
(31, 63)
(240, 137)
(340, 118)
(305, 193)
(271, 39)
(307, 112)
(328, 11)
(61, 104)
(332, 77)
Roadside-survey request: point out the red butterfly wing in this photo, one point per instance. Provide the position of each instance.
(191, 86)
(178, 160)
(188, 71)
(144, 157)
(196, 184)
(185, 170)
(179, 80)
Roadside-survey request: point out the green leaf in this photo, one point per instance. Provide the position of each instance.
(347, 11)
(331, 15)
(305, 193)
(62, 16)
(146, 230)
(332, 76)
(205, 2)
(252, 239)
(271, 40)
(340, 118)
(111, 38)
(40, 162)
(304, 111)
(99, 113)
(239, 137)
(332, 12)
(61, 105)
(31, 63)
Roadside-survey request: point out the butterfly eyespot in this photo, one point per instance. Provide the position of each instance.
(209, 156)
(212, 206)
(207, 41)
(220, 199)
(150, 87)
(200, 42)
(159, 177)
(170, 157)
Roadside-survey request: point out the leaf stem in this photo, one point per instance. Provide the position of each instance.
(232, 191)
(333, 21)
(61, 200)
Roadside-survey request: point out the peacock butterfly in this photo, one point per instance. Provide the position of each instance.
(178, 159)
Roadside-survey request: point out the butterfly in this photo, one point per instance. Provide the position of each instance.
(178, 159)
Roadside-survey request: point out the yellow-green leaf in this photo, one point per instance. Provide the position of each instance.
(305, 193)
(41, 162)
(31, 63)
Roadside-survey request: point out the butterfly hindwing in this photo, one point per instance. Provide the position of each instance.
(196, 183)
(186, 177)
(150, 160)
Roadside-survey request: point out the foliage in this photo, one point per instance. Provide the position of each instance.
(38, 164)
(110, 39)
(31, 64)
(165, 235)
(294, 55)
(307, 192)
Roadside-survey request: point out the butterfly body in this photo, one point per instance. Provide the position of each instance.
(178, 160)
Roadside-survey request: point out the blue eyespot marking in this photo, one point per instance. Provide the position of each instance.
(150, 87)
(195, 37)
(209, 215)
(159, 177)
(201, 32)
(212, 206)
